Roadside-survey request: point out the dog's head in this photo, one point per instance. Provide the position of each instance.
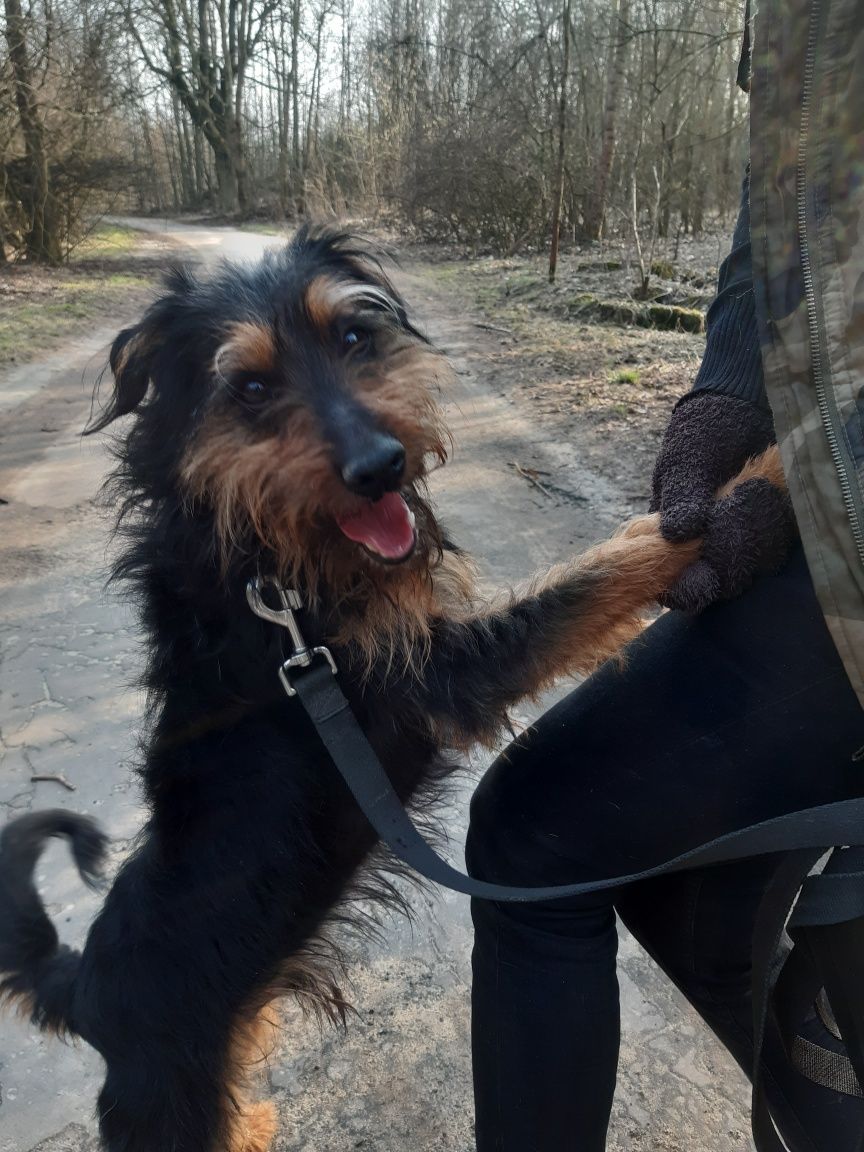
(293, 405)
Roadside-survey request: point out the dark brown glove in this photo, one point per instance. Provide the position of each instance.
(709, 439)
(749, 534)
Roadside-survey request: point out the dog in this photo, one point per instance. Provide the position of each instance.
(283, 422)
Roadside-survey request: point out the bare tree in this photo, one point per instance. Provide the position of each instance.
(496, 123)
(204, 56)
(558, 194)
(595, 211)
(42, 235)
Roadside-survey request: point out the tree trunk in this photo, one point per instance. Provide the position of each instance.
(558, 193)
(200, 180)
(345, 108)
(238, 160)
(596, 207)
(226, 180)
(186, 179)
(42, 239)
(173, 171)
(295, 93)
(283, 95)
(157, 199)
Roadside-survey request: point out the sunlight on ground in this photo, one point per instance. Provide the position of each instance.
(110, 269)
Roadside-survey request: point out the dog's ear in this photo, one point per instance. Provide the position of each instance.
(130, 360)
(133, 355)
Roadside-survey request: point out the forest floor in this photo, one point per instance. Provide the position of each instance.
(608, 385)
(546, 461)
(113, 268)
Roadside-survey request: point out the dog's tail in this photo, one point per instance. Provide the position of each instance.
(36, 971)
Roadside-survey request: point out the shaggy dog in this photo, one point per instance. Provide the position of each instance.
(284, 421)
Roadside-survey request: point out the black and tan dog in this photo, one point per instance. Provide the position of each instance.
(284, 421)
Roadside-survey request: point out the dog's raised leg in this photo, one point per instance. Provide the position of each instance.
(566, 622)
(579, 614)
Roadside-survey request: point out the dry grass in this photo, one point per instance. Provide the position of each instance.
(107, 273)
(608, 385)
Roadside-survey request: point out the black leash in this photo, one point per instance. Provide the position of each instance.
(836, 897)
(359, 766)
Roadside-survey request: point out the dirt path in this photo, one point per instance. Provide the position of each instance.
(399, 1077)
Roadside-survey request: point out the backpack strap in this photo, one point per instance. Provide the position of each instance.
(823, 968)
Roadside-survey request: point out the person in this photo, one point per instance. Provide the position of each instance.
(735, 710)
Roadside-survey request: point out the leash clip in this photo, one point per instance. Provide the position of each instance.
(302, 655)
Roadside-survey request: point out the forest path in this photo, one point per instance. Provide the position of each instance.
(398, 1077)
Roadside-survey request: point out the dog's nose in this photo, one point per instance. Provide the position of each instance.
(375, 467)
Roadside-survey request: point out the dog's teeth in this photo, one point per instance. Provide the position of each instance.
(412, 519)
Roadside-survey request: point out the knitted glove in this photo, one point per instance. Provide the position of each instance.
(709, 439)
(749, 534)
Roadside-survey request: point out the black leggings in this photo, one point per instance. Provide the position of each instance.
(714, 723)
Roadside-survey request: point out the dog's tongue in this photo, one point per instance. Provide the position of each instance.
(385, 527)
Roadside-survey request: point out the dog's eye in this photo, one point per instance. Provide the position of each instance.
(252, 389)
(355, 339)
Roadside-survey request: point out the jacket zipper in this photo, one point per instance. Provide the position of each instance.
(846, 488)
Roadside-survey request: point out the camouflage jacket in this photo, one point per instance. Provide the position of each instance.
(807, 228)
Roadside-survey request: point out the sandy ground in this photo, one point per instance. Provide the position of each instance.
(398, 1077)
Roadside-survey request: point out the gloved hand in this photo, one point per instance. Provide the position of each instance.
(749, 534)
(709, 439)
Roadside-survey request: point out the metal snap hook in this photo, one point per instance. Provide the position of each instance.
(290, 600)
(284, 616)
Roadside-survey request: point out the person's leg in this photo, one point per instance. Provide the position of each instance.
(712, 724)
(545, 1025)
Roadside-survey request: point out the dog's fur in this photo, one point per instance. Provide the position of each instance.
(248, 397)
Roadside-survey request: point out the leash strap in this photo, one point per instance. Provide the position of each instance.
(358, 765)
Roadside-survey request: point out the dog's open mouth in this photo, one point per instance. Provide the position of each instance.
(385, 528)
